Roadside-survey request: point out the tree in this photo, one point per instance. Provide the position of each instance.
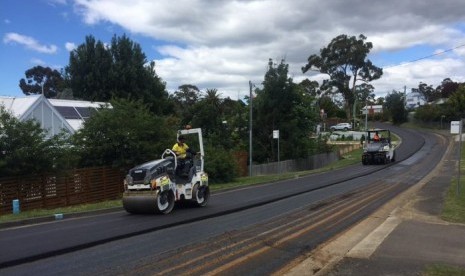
(42, 80)
(447, 87)
(457, 102)
(184, 100)
(123, 136)
(394, 104)
(429, 93)
(89, 71)
(345, 60)
(310, 87)
(24, 149)
(281, 105)
(99, 73)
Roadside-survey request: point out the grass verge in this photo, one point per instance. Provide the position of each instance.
(454, 202)
(443, 270)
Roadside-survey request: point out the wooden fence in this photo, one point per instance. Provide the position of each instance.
(88, 185)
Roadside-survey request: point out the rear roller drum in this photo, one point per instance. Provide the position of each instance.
(165, 202)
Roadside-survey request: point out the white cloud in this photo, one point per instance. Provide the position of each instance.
(29, 43)
(37, 61)
(224, 44)
(70, 46)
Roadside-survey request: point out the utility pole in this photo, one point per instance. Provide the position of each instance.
(250, 128)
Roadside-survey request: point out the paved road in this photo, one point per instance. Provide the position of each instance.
(166, 232)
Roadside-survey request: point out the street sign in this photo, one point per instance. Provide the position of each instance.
(275, 134)
(455, 127)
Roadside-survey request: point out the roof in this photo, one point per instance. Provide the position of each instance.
(18, 106)
(71, 113)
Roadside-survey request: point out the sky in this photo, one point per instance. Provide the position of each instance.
(224, 44)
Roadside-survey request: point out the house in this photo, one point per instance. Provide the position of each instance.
(414, 100)
(372, 109)
(53, 115)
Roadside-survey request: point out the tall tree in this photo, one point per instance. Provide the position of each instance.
(42, 80)
(429, 93)
(345, 61)
(457, 102)
(394, 104)
(184, 100)
(99, 73)
(281, 105)
(89, 71)
(447, 87)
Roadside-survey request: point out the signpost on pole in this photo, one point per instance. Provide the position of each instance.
(276, 136)
(456, 128)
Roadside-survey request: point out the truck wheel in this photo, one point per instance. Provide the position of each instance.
(165, 202)
(201, 195)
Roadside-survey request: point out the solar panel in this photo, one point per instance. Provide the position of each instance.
(85, 112)
(68, 112)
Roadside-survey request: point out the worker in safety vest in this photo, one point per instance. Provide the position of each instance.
(180, 148)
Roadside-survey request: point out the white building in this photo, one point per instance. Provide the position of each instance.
(372, 109)
(414, 100)
(53, 115)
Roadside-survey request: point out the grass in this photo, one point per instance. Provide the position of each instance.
(62, 210)
(348, 159)
(443, 270)
(454, 202)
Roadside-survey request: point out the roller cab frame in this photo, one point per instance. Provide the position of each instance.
(155, 186)
(378, 151)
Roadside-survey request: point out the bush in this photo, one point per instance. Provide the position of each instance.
(220, 165)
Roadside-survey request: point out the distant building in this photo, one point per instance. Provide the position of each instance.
(414, 100)
(53, 115)
(372, 109)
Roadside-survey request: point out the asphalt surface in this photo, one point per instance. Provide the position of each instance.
(117, 225)
(411, 237)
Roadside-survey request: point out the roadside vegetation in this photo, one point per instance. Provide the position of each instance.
(454, 203)
(443, 270)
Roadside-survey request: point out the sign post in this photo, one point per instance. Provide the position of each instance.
(456, 128)
(276, 136)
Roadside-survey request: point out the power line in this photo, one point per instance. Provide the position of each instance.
(433, 55)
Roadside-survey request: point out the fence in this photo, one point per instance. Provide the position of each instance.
(309, 163)
(88, 185)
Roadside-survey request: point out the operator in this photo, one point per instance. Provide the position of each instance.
(181, 148)
(376, 137)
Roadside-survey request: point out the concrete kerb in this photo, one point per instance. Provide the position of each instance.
(361, 240)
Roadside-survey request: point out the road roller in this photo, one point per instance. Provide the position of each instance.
(155, 186)
(378, 147)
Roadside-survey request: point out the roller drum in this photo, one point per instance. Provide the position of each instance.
(140, 203)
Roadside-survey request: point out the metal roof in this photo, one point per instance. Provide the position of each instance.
(73, 113)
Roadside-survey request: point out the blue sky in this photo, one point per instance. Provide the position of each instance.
(224, 44)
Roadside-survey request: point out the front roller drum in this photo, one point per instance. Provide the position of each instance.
(200, 195)
(148, 203)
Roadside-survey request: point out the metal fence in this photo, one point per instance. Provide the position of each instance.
(309, 163)
(88, 185)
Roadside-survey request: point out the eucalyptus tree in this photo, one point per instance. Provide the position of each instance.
(345, 61)
(42, 80)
